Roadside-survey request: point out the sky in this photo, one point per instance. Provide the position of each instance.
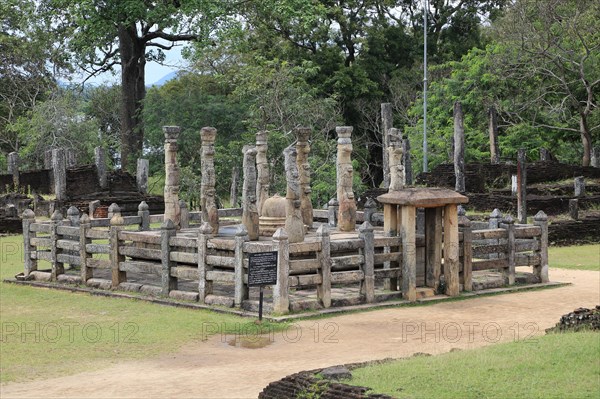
(154, 71)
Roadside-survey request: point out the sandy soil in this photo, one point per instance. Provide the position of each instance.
(215, 369)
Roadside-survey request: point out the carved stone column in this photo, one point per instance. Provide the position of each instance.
(172, 211)
(249, 210)
(262, 170)
(294, 225)
(395, 160)
(345, 195)
(208, 200)
(303, 149)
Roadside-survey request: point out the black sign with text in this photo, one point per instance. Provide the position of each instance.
(262, 269)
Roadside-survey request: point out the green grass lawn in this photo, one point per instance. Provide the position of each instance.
(553, 366)
(582, 257)
(71, 332)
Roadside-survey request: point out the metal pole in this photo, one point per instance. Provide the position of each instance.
(425, 8)
(260, 304)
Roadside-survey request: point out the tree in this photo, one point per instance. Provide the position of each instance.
(102, 34)
(557, 44)
(27, 63)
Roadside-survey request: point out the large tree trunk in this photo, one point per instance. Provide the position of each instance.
(586, 139)
(133, 91)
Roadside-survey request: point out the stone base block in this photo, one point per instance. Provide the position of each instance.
(100, 283)
(219, 300)
(184, 295)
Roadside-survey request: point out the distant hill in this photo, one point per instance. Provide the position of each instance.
(165, 79)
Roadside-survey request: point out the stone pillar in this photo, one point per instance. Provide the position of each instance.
(407, 162)
(574, 209)
(100, 160)
(116, 225)
(545, 155)
(464, 226)
(113, 209)
(345, 196)
(294, 225)
(71, 158)
(143, 167)
(367, 286)
(541, 271)
(262, 170)
(370, 209)
(204, 285)
(59, 171)
(522, 186)
(86, 272)
(172, 211)
(509, 272)
(579, 186)
(595, 161)
(233, 190)
(459, 148)
(333, 207)
(208, 195)
(494, 223)
(92, 207)
(395, 160)
(303, 149)
(324, 258)
(493, 132)
(387, 121)
(13, 167)
(48, 159)
(58, 268)
(281, 301)
(249, 209)
(73, 216)
(184, 215)
(144, 214)
(241, 288)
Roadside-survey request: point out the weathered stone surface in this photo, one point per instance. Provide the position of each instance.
(131, 287)
(294, 225)
(100, 160)
(303, 150)
(345, 194)
(336, 373)
(262, 170)
(574, 209)
(208, 199)
(493, 133)
(143, 168)
(579, 319)
(459, 148)
(151, 290)
(184, 295)
(579, 186)
(13, 167)
(171, 191)
(219, 300)
(394, 150)
(250, 217)
(407, 162)
(68, 279)
(59, 171)
(387, 121)
(40, 276)
(99, 283)
(522, 186)
(423, 197)
(273, 215)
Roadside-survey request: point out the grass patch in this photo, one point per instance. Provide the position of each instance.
(581, 257)
(555, 365)
(69, 332)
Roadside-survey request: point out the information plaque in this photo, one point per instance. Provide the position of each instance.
(262, 269)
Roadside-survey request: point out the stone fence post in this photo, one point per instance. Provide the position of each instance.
(241, 289)
(522, 186)
(367, 286)
(144, 214)
(73, 216)
(494, 223)
(509, 271)
(116, 225)
(579, 186)
(464, 226)
(58, 268)
(324, 259)
(168, 282)
(281, 301)
(84, 227)
(204, 285)
(541, 271)
(28, 249)
(370, 209)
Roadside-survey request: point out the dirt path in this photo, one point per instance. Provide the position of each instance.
(214, 369)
